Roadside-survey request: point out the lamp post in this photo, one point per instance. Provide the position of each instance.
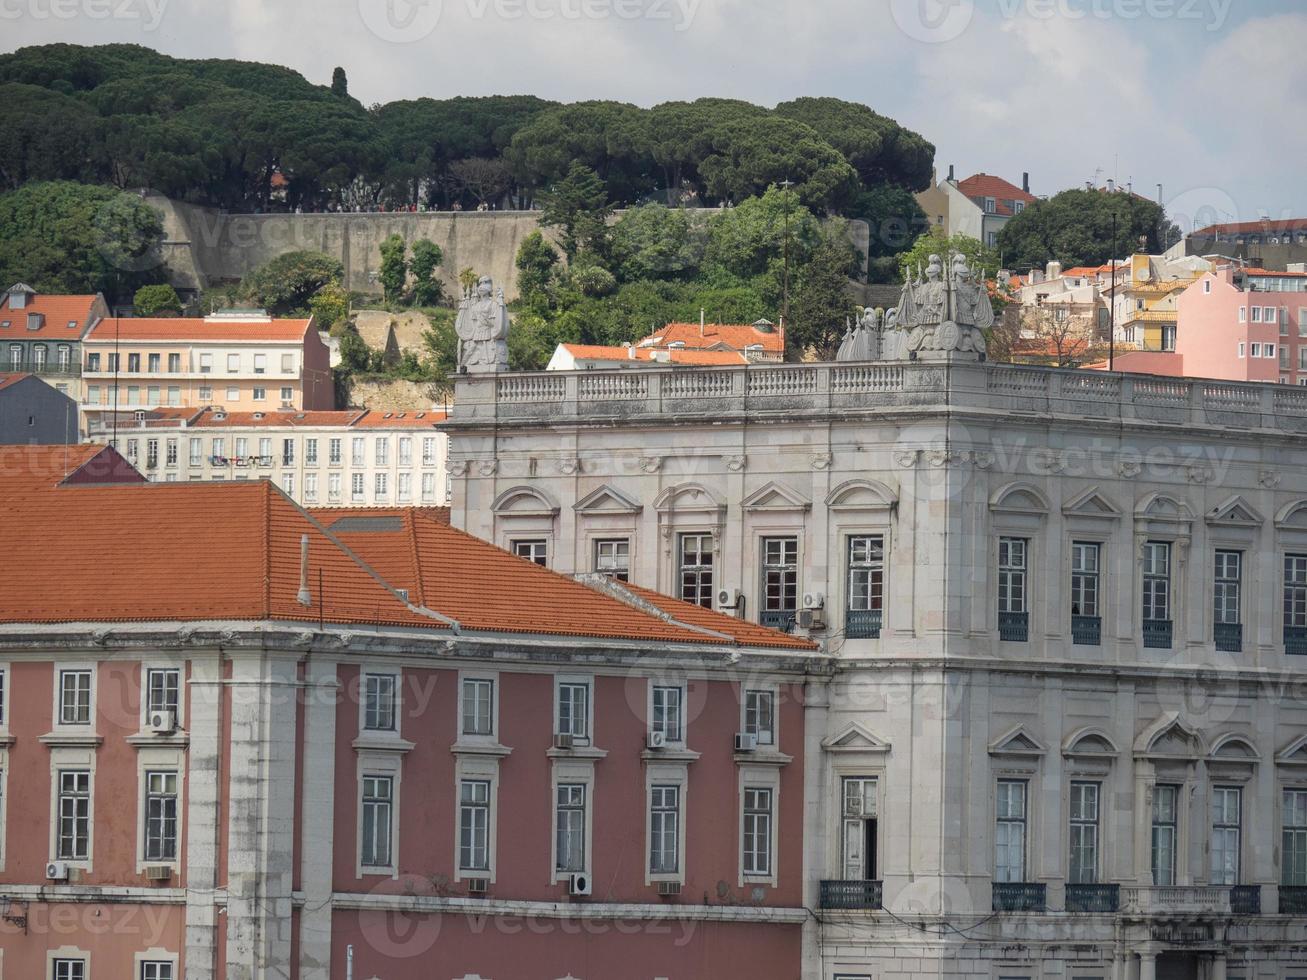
(785, 290)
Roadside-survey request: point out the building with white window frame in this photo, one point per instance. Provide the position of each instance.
(1067, 735)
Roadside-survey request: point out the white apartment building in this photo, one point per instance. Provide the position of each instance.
(1066, 736)
(353, 458)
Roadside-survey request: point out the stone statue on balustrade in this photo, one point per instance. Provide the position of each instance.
(940, 315)
(482, 328)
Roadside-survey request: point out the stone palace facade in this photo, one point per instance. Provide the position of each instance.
(1067, 732)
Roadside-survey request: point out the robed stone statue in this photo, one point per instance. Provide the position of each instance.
(482, 328)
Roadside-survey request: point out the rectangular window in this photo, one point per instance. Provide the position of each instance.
(667, 717)
(859, 812)
(379, 702)
(287, 363)
(287, 396)
(156, 970)
(428, 486)
(574, 710)
(65, 969)
(383, 451)
(1084, 578)
(206, 394)
(310, 452)
(613, 558)
(478, 706)
(151, 453)
(114, 361)
(233, 363)
(242, 447)
(378, 803)
(160, 816)
(1295, 592)
(1257, 315)
(780, 581)
(333, 486)
(174, 363)
(133, 363)
(74, 841)
(757, 830)
(866, 573)
(310, 486)
(404, 487)
(696, 568)
(1165, 800)
(1083, 869)
(1010, 831)
(474, 825)
(405, 451)
(260, 394)
(356, 450)
(1243, 349)
(206, 363)
(288, 452)
(1256, 350)
(164, 690)
(1012, 575)
(1227, 598)
(265, 450)
(356, 486)
(569, 824)
(152, 394)
(1226, 820)
(1293, 838)
(333, 452)
(174, 395)
(536, 551)
(1157, 581)
(381, 485)
(93, 360)
(428, 451)
(664, 829)
(153, 363)
(233, 394)
(170, 452)
(760, 715)
(74, 697)
(260, 363)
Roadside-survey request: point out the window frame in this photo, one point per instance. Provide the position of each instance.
(465, 870)
(148, 794)
(616, 572)
(770, 692)
(652, 706)
(778, 574)
(466, 677)
(658, 837)
(60, 670)
(1293, 806)
(1175, 791)
(1075, 869)
(748, 870)
(58, 770)
(391, 804)
(586, 807)
(1004, 818)
(587, 682)
(366, 674)
(696, 583)
(1219, 827)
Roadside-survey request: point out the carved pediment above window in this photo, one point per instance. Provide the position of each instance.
(1017, 742)
(1236, 512)
(1169, 738)
(1018, 498)
(776, 496)
(607, 500)
(1089, 743)
(1293, 754)
(1293, 517)
(688, 498)
(525, 501)
(1164, 510)
(862, 495)
(1093, 504)
(854, 738)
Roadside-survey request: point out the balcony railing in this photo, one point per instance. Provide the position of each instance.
(1228, 637)
(29, 365)
(1293, 899)
(1158, 634)
(1295, 641)
(1014, 627)
(1093, 898)
(1246, 900)
(1168, 899)
(1087, 631)
(777, 619)
(850, 894)
(1020, 896)
(863, 624)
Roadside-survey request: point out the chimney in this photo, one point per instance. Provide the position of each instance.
(303, 598)
(701, 315)
(1159, 193)
(1111, 185)
(951, 178)
(1025, 181)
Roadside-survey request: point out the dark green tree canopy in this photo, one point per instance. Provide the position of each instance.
(287, 283)
(1075, 228)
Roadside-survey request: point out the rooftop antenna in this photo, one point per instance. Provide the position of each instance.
(304, 598)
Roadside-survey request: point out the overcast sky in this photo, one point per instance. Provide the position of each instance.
(1202, 96)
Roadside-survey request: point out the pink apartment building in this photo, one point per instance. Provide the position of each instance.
(242, 740)
(1236, 325)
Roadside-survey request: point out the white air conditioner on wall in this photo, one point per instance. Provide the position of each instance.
(728, 598)
(657, 740)
(813, 600)
(578, 884)
(57, 871)
(746, 742)
(163, 722)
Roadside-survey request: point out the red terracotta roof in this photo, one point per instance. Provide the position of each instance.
(186, 329)
(987, 185)
(1272, 272)
(736, 336)
(210, 419)
(399, 420)
(9, 379)
(645, 355)
(27, 469)
(486, 588)
(1267, 225)
(57, 313)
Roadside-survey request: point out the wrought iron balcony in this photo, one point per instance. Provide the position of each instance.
(850, 894)
(1158, 634)
(1020, 896)
(1295, 641)
(777, 619)
(1171, 899)
(1093, 898)
(1087, 631)
(1246, 900)
(30, 365)
(1293, 899)
(1229, 637)
(1014, 627)
(863, 624)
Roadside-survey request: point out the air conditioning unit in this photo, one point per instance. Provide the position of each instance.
(657, 740)
(810, 619)
(477, 886)
(563, 741)
(728, 598)
(57, 871)
(746, 742)
(578, 884)
(163, 722)
(669, 889)
(158, 872)
(813, 600)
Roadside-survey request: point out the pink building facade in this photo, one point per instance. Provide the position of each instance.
(357, 756)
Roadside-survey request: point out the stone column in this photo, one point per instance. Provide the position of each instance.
(816, 712)
(204, 720)
(318, 824)
(1147, 966)
(1218, 967)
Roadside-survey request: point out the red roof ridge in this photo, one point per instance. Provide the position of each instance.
(609, 586)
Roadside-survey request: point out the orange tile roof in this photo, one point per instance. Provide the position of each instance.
(187, 329)
(736, 336)
(9, 379)
(1262, 225)
(28, 468)
(987, 185)
(208, 418)
(399, 420)
(487, 588)
(240, 559)
(1272, 272)
(58, 311)
(645, 355)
